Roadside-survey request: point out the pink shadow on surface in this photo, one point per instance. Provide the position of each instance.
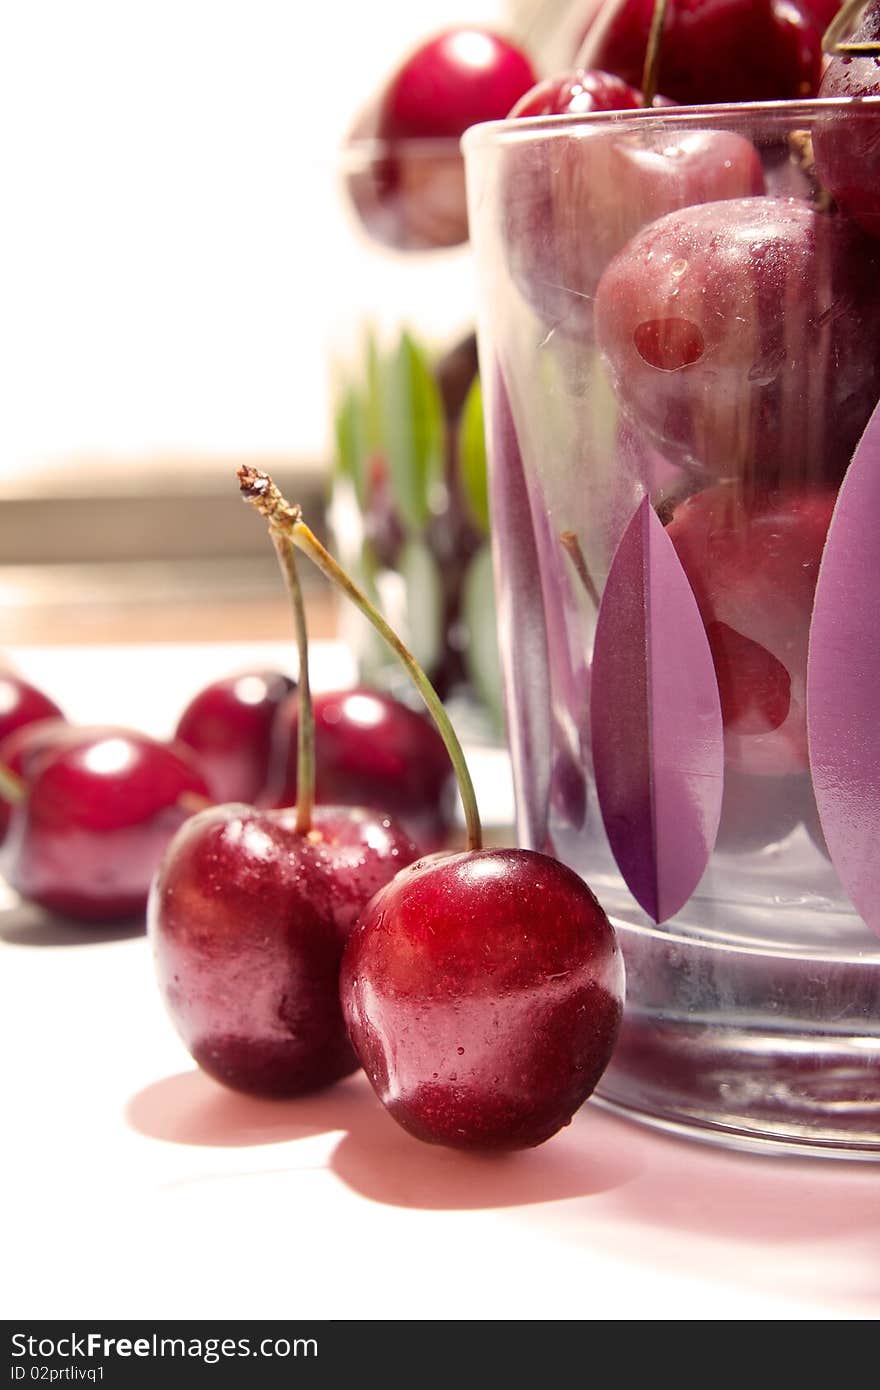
(27, 925)
(375, 1158)
(190, 1108)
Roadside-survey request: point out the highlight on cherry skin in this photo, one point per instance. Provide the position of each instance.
(410, 193)
(845, 143)
(483, 994)
(739, 338)
(229, 726)
(714, 50)
(97, 811)
(372, 750)
(248, 917)
(614, 181)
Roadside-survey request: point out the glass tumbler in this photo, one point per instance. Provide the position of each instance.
(679, 340)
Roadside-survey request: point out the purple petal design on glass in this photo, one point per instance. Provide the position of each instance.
(522, 629)
(843, 681)
(658, 746)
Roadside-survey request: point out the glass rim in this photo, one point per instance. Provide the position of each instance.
(522, 129)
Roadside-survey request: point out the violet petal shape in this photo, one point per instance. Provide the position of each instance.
(843, 681)
(522, 627)
(658, 745)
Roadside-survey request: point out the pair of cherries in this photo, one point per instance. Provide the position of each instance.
(481, 991)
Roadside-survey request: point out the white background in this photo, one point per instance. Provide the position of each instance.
(172, 234)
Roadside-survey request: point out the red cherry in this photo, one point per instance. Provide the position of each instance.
(371, 750)
(99, 810)
(22, 703)
(248, 918)
(712, 50)
(483, 995)
(408, 187)
(572, 201)
(578, 93)
(228, 725)
(846, 144)
(740, 335)
(453, 81)
(753, 571)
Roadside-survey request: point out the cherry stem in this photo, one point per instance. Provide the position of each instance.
(572, 545)
(651, 70)
(259, 489)
(12, 787)
(841, 25)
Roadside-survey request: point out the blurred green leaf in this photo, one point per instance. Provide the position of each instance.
(351, 439)
(414, 431)
(472, 456)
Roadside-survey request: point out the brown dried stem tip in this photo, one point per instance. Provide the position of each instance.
(258, 488)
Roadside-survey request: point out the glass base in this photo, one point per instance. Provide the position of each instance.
(763, 1047)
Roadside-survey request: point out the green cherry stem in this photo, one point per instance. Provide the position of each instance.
(262, 493)
(651, 70)
(12, 787)
(288, 520)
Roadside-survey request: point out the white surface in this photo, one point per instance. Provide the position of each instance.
(135, 1187)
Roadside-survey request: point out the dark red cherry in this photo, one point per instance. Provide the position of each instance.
(371, 750)
(248, 918)
(453, 81)
(846, 144)
(404, 170)
(483, 995)
(97, 815)
(713, 50)
(22, 703)
(577, 93)
(572, 200)
(753, 570)
(408, 194)
(228, 725)
(739, 336)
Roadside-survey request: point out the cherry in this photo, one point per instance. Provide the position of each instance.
(483, 995)
(483, 990)
(578, 93)
(228, 725)
(408, 194)
(455, 80)
(99, 808)
(753, 570)
(250, 910)
(713, 50)
(570, 203)
(846, 144)
(248, 918)
(739, 336)
(22, 703)
(372, 750)
(405, 172)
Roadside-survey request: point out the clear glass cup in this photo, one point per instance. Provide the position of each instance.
(679, 338)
